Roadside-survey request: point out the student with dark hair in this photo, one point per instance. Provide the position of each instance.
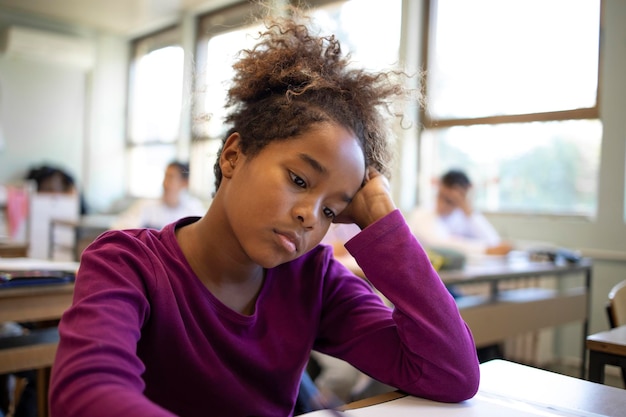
(454, 223)
(218, 315)
(175, 202)
(51, 179)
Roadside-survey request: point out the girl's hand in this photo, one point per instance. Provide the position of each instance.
(372, 202)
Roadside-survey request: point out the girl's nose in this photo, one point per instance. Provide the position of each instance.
(308, 213)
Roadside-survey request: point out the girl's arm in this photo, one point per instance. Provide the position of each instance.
(424, 347)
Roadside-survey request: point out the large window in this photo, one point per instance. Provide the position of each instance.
(352, 22)
(224, 33)
(221, 36)
(511, 89)
(155, 99)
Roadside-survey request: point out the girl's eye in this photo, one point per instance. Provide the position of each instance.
(329, 213)
(297, 180)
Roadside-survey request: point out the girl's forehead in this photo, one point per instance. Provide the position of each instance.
(332, 142)
(328, 149)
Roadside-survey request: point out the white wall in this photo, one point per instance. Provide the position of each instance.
(104, 174)
(42, 116)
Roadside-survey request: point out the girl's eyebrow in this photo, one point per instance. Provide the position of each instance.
(314, 163)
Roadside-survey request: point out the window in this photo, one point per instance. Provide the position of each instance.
(511, 91)
(221, 36)
(155, 99)
(352, 22)
(224, 33)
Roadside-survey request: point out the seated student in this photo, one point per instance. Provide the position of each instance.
(454, 223)
(51, 179)
(174, 204)
(219, 314)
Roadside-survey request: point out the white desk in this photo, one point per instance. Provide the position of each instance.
(506, 389)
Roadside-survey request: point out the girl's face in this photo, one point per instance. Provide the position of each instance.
(280, 203)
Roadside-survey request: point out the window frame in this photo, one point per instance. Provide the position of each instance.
(428, 122)
(204, 146)
(140, 47)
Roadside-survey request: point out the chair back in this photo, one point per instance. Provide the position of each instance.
(616, 307)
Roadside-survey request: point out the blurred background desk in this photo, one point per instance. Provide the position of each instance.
(505, 297)
(13, 249)
(512, 296)
(37, 305)
(69, 238)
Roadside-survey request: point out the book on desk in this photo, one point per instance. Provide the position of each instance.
(11, 279)
(18, 272)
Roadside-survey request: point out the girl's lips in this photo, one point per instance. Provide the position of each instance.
(287, 242)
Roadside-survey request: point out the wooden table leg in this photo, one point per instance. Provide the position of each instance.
(43, 382)
(596, 367)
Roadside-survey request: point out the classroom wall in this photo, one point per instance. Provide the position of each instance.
(104, 175)
(42, 117)
(66, 115)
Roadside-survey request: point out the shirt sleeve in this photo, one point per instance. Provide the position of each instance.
(96, 371)
(423, 347)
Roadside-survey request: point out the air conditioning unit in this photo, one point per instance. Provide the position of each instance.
(47, 46)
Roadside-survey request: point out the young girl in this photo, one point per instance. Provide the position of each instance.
(218, 315)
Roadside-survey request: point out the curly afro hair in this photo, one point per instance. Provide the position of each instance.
(293, 79)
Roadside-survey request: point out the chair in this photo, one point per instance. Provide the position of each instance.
(616, 310)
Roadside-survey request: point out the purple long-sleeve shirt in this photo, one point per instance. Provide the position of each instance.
(144, 337)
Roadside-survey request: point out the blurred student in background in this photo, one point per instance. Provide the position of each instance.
(51, 179)
(454, 223)
(174, 204)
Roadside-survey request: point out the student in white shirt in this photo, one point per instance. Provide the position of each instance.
(174, 204)
(454, 224)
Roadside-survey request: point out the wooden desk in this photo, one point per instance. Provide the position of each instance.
(606, 348)
(33, 304)
(506, 389)
(13, 250)
(83, 231)
(501, 313)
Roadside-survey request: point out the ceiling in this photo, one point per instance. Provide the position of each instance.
(121, 17)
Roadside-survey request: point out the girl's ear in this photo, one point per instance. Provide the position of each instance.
(231, 153)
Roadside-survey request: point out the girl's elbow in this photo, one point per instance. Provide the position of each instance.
(465, 386)
(454, 387)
